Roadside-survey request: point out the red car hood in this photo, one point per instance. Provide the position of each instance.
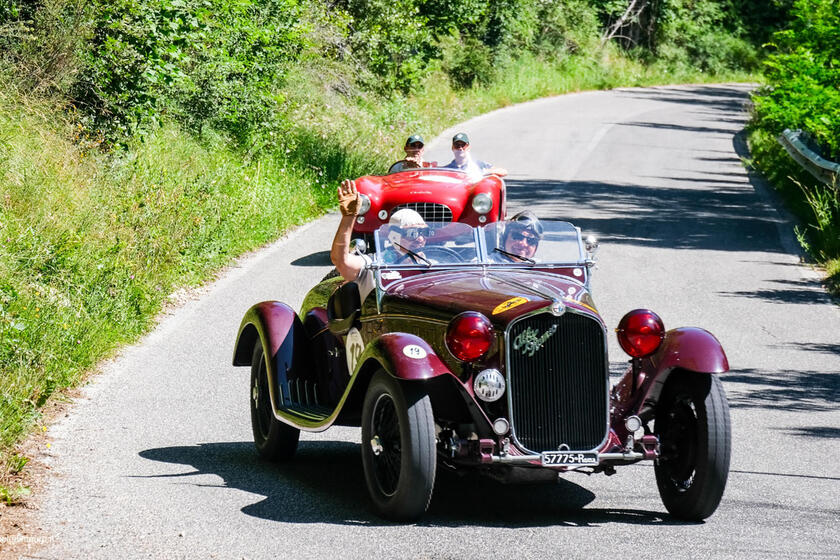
(450, 188)
(500, 295)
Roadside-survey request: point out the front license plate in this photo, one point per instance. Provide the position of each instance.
(568, 458)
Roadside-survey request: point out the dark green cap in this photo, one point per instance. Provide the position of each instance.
(461, 137)
(414, 138)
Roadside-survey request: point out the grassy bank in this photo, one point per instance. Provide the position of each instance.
(94, 242)
(815, 204)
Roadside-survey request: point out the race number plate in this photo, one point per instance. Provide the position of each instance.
(569, 458)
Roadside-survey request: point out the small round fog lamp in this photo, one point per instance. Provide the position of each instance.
(489, 385)
(501, 426)
(632, 423)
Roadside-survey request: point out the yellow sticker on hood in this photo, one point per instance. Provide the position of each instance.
(509, 304)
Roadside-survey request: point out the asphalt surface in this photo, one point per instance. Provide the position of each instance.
(157, 460)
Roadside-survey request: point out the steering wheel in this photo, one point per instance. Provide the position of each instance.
(445, 253)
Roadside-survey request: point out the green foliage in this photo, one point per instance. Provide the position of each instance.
(42, 41)
(803, 92)
(208, 62)
(394, 40)
(697, 33)
(469, 62)
(803, 77)
(13, 495)
(570, 26)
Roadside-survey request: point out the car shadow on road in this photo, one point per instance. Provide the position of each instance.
(324, 483)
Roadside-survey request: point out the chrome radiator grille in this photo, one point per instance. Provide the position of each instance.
(431, 211)
(559, 393)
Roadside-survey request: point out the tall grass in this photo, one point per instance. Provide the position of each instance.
(817, 206)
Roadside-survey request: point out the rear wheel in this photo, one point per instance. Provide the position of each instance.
(274, 440)
(692, 422)
(398, 447)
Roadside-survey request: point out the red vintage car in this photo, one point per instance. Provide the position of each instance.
(469, 355)
(437, 194)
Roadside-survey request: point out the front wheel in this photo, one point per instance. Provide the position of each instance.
(398, 447)
(274, 440)
(692, 422)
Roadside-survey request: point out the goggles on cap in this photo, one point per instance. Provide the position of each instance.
(413, 233)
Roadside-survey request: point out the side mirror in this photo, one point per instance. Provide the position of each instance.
(591, 245)
(358, 246)
(344, 308)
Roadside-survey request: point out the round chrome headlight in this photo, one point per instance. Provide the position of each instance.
(482, 203)
(489, 385)
(364, 204)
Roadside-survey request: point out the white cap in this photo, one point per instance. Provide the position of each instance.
(406, 218)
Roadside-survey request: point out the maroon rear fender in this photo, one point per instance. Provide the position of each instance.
(404, 356)
(692, 349)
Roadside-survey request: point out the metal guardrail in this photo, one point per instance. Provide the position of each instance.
(824, 170)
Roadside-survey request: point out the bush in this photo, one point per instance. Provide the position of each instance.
(212, 62)
(394, 40)
(803, 77)
(469, 62)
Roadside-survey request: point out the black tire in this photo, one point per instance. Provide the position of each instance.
(274, 440)
(398, 448)
(692, 422)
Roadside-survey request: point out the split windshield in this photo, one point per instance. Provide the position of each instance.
(447, 245)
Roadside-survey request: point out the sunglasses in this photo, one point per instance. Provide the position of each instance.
(415, 145)
(459, 145)
(413, 233)
(517, 236)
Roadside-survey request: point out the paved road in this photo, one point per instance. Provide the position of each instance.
(157, 461)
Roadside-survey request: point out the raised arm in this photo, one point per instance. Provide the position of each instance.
(348, 264)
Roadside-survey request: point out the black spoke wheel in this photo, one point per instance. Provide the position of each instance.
(274, 440)
(398, 447)
(692, 422)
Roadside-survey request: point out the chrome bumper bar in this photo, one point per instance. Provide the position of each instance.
(624, 456)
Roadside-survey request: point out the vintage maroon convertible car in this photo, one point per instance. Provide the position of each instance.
(438, 194)
(466, 357)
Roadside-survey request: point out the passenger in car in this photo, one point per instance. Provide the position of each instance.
(407, 235)
(407, 232)
(464, 161)
(520, 237)
(414, 148)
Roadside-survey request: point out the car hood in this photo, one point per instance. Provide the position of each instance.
(500, 295)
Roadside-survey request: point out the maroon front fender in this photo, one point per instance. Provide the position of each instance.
(688, 348)
(404, 356)
(692, 349)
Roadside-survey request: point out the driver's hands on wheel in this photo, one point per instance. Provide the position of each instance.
(348, 198)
